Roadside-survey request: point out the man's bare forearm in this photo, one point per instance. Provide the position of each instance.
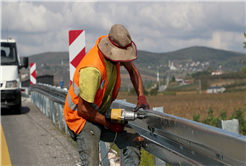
(136, 80)
(87, 112)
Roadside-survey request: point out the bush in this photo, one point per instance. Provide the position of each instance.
(146, 93)
(147, 159)
(223, 114)
(239, 114)
(153, 92)
(196, 117)
(211, 120)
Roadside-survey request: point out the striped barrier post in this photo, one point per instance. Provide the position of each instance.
(32, 73)
(76, 50)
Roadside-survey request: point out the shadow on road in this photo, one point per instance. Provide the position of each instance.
(8, 111)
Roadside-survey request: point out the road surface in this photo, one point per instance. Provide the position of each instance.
(32, 139)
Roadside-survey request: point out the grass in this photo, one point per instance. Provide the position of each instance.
(147, 159)
(193, 86)
(187, 105)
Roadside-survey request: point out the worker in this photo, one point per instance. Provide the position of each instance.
(96, 83)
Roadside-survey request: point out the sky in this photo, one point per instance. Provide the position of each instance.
(155, 26)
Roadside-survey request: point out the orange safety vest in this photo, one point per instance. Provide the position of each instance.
(93, 58)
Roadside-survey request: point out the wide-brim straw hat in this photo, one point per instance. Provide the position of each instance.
(118, 46)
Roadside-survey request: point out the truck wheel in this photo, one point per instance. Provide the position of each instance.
(17, 108)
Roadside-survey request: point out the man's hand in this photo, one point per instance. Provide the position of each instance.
(142, 103)
(139, 139)
(115, 127)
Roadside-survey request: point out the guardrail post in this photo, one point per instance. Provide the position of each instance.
(230, 125)
(38, 99)
(104, 153)
(60, 113)
(52, 111)
(34, 97)
(43, 103)
(31, 98)
(27, 91)
(157, 160)
(47, 105)
(66, 129)
(121, 157)
(47, 112)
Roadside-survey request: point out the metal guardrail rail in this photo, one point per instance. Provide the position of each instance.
(174, 140)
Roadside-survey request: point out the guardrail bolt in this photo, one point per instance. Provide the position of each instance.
(193, 152)
(151, 129)
(219, 156)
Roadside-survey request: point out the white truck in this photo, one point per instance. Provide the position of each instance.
(10, 79)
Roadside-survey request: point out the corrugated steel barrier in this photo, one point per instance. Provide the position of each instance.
(172, 139)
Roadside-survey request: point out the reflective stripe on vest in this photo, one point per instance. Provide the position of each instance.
(71, 105)
(75, 89)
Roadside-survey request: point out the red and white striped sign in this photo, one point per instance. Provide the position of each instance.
(32, 73)
(76, 50)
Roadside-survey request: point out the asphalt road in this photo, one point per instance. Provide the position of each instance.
(32, 139)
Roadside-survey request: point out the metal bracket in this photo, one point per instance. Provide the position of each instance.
(151, 129)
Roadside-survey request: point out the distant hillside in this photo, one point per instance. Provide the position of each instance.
(50, 58)
(56, 63)
(227, 59)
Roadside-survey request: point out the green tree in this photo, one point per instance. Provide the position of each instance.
(173, 78)
(210, 69)
(146, 93)
(154, 92)
(204, 82)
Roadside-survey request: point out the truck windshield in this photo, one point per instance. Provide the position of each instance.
(8, 54)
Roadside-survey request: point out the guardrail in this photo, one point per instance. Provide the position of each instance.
(174, 140)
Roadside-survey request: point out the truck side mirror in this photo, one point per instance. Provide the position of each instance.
(25, 62)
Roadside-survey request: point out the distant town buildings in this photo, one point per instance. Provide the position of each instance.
(217, 73)
(192, 67)
(179, 79)
(216, 89)
(172, 67)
